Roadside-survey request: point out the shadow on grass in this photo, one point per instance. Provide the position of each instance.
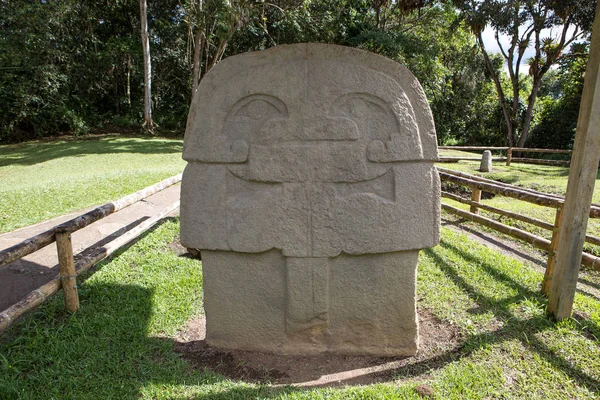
(504, 178)
(103, 351)
(38, 152)
(106, 348)
(20, 277)
(460, 225)
(535, 170)
(514, 328)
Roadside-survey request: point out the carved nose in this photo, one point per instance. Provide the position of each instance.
(311, 129)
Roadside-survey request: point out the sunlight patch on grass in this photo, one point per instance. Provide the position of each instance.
(42, 180)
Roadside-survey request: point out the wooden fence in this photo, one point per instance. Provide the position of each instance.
(509, 154)
(479, 185)
(71, 266)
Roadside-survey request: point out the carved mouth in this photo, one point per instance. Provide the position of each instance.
(309, 162)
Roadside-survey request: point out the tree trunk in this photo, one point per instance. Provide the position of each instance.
(129, 83)
(529, 115)
(148, 124)
(199, 39)
(218, 54)
(197, 60)
(510, 133)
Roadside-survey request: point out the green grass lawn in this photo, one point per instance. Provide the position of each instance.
(41, 180)
(120, 344)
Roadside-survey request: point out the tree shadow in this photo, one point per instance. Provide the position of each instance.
(460, 225)
(22, 276)
(535, 170)
(588, 282)
(509, 179)
(105, 351)
(588, 294)
(513, 327)
(108, 348)
(35, 152)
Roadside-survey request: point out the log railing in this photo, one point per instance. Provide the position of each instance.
(479, 185)
(509, 154)
(70, 266)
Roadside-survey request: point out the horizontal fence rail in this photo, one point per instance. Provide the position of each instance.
(71, 266)
(457, 159)
(82, 264)
(43, 239)
(503, 190)
(472, 148)
(539, 198)
(541, 161)
(537, 241)
(478, 185)
(519, 149)
(509, 153)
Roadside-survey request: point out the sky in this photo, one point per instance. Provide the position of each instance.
(492, 46)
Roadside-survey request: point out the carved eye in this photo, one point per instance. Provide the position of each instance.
(258, 107)
(248, 116)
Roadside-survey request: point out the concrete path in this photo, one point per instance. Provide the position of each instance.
(22, 276)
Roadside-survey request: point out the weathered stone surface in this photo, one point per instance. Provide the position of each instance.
(310, 188)
(347, 304)
(486, 162)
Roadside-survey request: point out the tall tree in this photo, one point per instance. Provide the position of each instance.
(148, 124)
(524, 22)
(560, 96)
(211, 24)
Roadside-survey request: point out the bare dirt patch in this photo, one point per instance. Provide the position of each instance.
(439, 344)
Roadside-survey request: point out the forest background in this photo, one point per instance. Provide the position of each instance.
(70, 67)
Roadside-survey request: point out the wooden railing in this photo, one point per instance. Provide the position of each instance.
(71, 266)
(509, 154)
(479, 185)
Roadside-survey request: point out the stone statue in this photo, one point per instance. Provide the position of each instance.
(486, 162)
(309, 190)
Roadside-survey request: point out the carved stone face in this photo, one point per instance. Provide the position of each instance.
(310, 188)
(320, 155)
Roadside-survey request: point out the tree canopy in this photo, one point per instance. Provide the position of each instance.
(68, 66)
(526, 24)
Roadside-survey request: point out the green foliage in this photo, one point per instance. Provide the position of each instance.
(82, 68)
(560, 97)
(524, 22)
(69, 66)
(430, 42)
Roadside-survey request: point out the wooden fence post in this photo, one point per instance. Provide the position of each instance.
(547, 282)
(67, 270)
(476, 197)
(508, 156)
(580, 188)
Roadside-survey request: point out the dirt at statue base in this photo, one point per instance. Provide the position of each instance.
(439, 345)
